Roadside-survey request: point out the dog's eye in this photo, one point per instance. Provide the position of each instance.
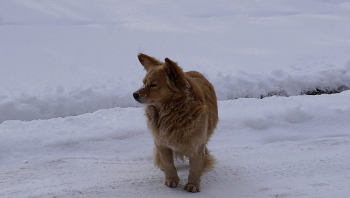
(153, 85)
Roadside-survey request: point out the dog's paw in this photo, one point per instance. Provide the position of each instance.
(191, 188)
(172, 182)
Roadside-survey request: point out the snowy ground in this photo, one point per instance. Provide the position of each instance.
(69, 126)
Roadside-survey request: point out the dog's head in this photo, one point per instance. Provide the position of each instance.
(163, 80)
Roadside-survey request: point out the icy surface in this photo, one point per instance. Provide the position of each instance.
(69, 126)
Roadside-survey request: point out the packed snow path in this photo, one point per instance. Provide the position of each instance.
(264, 148)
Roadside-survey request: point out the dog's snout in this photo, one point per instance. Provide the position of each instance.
(136, 95)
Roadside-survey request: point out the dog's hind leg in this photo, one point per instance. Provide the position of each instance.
(157, 161)
(166, 158)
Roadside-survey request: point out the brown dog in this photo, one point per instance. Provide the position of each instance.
(182, 115)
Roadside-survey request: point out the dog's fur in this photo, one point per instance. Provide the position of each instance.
(182, 115)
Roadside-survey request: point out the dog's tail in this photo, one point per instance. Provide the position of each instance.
(209, 161)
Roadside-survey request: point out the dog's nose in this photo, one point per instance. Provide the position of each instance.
(136, 95)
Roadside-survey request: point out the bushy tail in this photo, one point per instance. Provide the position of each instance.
(209, 161)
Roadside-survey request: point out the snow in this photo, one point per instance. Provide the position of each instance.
(69, 126)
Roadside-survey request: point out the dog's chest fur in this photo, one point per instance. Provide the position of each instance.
(175, 122)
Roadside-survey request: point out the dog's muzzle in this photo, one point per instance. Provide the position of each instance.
(136, 95)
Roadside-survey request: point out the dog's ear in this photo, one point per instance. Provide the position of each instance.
(148, 62)
(175, 74)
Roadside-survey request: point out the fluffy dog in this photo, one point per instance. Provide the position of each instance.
(182, 114)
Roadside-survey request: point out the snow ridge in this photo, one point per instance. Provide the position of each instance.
(281, 83)
(61, 103)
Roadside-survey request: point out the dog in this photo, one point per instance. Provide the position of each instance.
(182, 113)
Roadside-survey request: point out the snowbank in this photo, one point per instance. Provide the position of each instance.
(281, 83)
(62, 103)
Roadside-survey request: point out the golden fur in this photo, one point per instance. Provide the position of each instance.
(182, 114)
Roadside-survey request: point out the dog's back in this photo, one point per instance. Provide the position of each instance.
(204, 91)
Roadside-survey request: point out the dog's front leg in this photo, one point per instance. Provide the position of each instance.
(167, 159)
(196, 171)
